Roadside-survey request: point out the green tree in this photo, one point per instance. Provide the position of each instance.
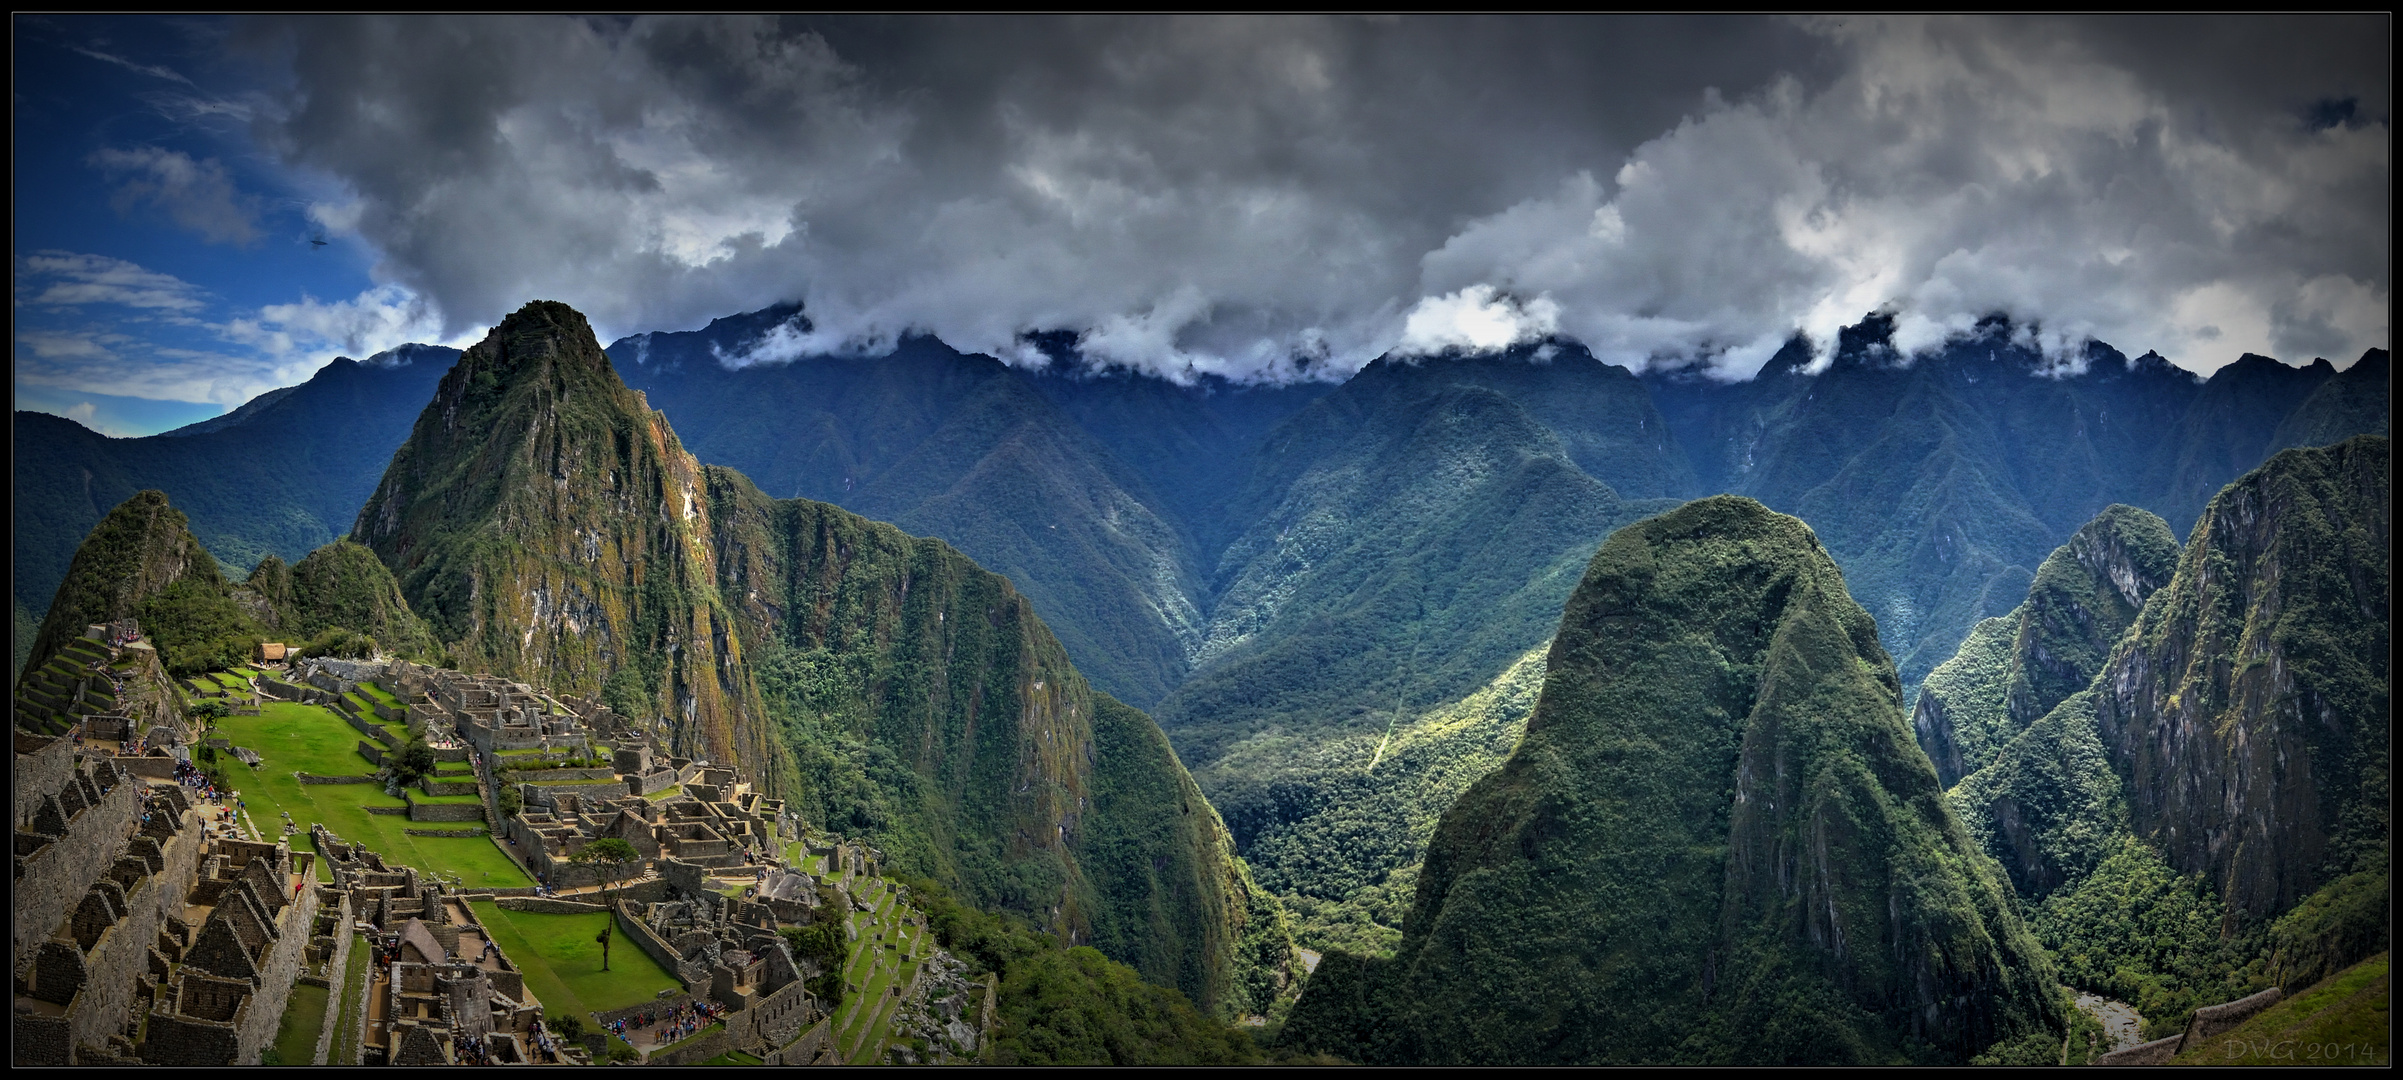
(414, 762)
(614, 860)
(822, 942)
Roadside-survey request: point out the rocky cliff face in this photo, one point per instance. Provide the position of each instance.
(549, 525)
(2010, 709)
(2248, 707)
(134, 555)
(1716, 842)
(2014, 669)
(928, 707)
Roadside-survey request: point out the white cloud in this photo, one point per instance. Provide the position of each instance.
(198, 195)
(1476, 320)
(276, 345)
(1956, 171)
(1241, 196)
(314, 331)
(75, 279)
(155, 71)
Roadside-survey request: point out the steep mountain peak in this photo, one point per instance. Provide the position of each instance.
(2249, 705)
(549, 525)
(2016, 667)
(137, 552)
(544, 337)
(1715, 842)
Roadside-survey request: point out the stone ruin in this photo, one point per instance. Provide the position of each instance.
(105, 688)
(439, 991)
(137, 938)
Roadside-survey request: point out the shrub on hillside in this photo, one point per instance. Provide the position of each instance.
(197, 628)
(340, 642)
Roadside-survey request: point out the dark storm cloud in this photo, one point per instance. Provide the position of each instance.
(1246, 195)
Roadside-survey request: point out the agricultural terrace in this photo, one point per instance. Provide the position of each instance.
(294, 738)
(884, 960)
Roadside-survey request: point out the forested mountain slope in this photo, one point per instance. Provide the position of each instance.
(1940, 480)
(2250, 704)
(551, 527)
(2206, 815)
(1715, 843)
(142, 558)
(279, 476)
(2014, 668)
(959, 447)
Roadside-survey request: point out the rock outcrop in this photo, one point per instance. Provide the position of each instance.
(2248, 706)
(2015, 668)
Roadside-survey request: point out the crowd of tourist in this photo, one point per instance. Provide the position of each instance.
(543, 1042)
(673, 1023)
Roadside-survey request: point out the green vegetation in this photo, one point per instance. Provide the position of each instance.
(142, 562)
(913, 701)
(1346, 824)
(354, 997)
(1078, 1008)
(824, 943)
(2136, 930)
(2283, 569)
(561, 958)
(1716, 842)
(2345, 919)
(291, 737)
(924, 708)
(414, 761)
(2271, 644)
(1411, 535)
(281, 475)
(304, 1019)
(2014, 669)
(338, 642)
(345, 602)
(2342, 1020)
(614, 860)
(2049, 806)
(1074, 1006)
(2087, 1038)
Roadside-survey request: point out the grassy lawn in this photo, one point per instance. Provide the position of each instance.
(304, 1018)
(2343, 1020)
(293, 737)
(562, 963)
(354, 976)
(734, 1057)
(376, 693)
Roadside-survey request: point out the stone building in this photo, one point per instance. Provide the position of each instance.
(137, 938)
(221, 995)
(104, 862)
(727, 951)
(439, 989)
